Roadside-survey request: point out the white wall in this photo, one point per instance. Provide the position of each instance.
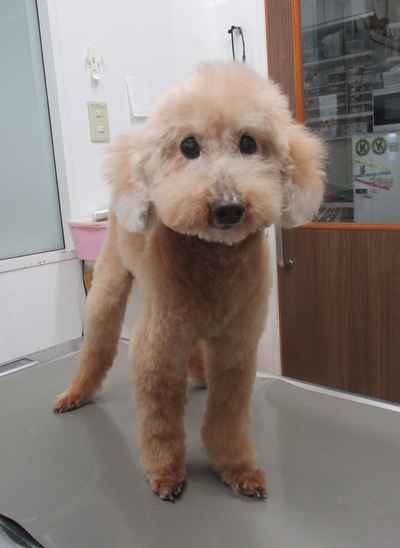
(160, 40)
(41, 306)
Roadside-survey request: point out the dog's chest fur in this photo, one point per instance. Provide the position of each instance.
(220, 282)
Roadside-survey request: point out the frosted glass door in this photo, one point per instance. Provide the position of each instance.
(30, 219)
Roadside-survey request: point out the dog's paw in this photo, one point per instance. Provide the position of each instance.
(67, 401)
(168, 486)
(251, 484)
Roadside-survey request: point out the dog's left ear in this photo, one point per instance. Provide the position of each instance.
(126, 173)
(304, 176)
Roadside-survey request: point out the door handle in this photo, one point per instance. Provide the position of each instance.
(282, 262)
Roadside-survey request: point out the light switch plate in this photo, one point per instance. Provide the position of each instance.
(98, 121)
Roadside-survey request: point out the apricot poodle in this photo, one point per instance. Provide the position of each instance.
(218, 161)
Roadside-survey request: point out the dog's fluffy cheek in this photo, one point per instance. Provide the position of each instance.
(257, 181)
(262, 194)
(182, 205)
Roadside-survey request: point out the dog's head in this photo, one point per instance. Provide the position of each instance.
(220, 158)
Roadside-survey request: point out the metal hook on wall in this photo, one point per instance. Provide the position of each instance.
(240, 31)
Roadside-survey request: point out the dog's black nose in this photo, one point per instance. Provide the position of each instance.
(227, 212)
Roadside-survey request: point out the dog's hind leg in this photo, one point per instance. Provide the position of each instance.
(230, 376)
(104, 314)
(196, 367)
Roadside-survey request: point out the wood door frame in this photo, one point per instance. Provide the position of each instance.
(284, 50)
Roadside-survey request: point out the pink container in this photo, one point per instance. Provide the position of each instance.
(88, 240)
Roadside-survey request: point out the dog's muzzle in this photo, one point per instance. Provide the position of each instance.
(226, 213)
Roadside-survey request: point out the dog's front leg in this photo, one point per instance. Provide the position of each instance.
(159, 373)
(231, 366)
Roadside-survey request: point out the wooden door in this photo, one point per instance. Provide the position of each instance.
(340, 303)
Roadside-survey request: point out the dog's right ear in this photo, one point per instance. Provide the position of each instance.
(304, 176)
(125, 170)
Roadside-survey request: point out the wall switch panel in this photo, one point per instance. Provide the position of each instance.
(98, 120)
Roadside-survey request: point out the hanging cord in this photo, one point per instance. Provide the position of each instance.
(83, 278)
(239, 30)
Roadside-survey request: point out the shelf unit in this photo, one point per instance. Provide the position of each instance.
(341, 58)
(338, 89)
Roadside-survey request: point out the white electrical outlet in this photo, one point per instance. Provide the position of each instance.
(98, 121)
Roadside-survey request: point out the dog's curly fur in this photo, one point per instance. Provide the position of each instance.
(188, 224)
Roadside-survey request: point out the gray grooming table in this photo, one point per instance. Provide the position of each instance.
(74, 480)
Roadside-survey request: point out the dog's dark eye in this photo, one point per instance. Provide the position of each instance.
(190, 148)
(247, 145)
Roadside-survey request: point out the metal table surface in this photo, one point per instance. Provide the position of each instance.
(74, 480)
